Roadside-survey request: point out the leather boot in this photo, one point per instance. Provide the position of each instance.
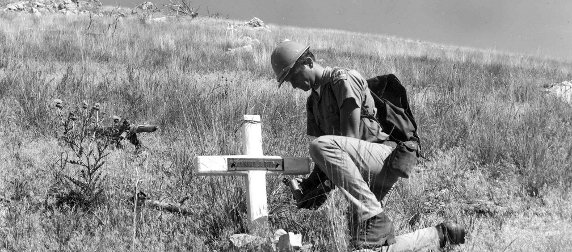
(374, 232)
(451, 233)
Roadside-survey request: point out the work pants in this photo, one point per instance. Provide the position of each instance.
(358, 169)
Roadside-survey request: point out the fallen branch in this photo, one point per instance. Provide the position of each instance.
(143, 200)
(168, 207)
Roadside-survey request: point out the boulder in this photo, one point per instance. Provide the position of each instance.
(67, 5)
(278, 233)
(88, 4)
(18, 6)
(242, 240)
(45, 6)
(289, 242)
(257, 25)
(562, 90)
(147, 6)
(255, 22)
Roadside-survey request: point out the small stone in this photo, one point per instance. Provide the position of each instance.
(278, 233)
(290, 242)
(241, 240)
(58, 103)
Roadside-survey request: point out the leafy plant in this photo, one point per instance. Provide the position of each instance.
(86, 144)
(85, 148)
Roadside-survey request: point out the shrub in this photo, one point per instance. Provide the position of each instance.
(85, 150)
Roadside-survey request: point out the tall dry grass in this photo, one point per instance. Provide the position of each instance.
(498, 150)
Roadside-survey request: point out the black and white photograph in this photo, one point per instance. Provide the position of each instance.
(286, 125)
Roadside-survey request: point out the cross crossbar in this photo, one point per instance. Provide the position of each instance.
(241, 164)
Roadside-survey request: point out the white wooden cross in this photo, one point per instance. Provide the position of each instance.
(254, 165)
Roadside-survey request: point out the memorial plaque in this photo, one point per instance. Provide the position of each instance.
(262, 164)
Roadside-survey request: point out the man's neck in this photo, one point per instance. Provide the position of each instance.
(318, 90)
(319, 78)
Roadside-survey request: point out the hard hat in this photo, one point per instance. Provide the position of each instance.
(284, 57)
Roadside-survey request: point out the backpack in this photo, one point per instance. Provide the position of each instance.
(395, 117)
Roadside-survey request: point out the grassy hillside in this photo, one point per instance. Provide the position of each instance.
(498, 150)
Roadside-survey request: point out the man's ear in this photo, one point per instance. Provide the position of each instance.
(308, 61)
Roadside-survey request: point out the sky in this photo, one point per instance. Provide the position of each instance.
(532, 27)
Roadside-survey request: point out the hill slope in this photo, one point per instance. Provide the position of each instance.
(498, 150)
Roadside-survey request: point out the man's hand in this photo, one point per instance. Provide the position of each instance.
(313, 199)
(311, 192)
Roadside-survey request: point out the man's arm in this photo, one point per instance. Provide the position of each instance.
(350, 115)
(312, 128)
(347, 89)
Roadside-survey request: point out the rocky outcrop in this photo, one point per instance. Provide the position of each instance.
(54, 6)
(19, 6)
(145, 7)
(562, 90)
(257, 24)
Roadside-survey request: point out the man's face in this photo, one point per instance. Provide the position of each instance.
(300, 76)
